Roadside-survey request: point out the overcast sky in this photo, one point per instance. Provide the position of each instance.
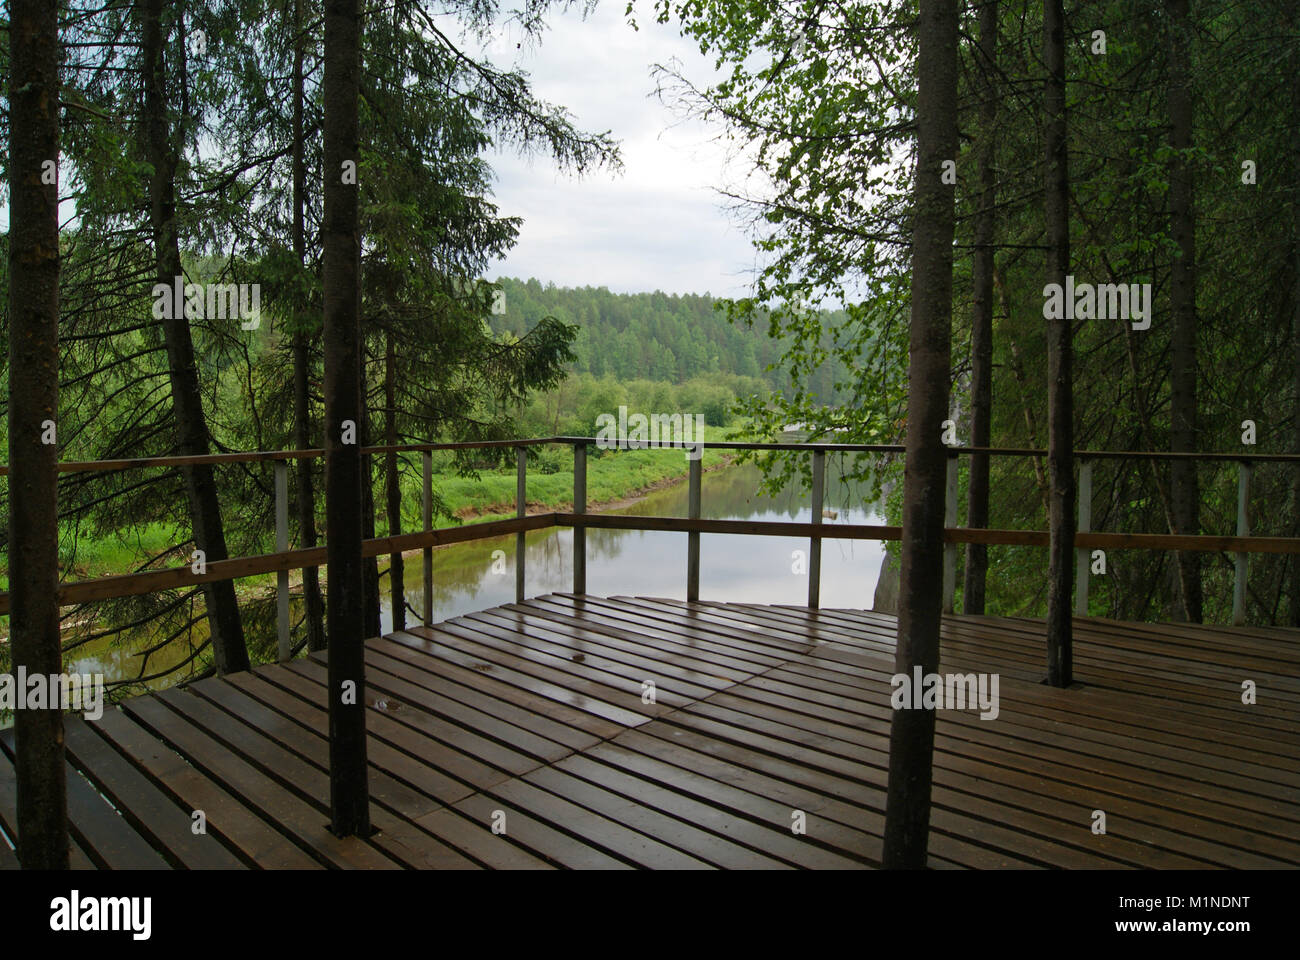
(659, 225)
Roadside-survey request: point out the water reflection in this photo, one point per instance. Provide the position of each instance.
(653, 563)
(647, 563)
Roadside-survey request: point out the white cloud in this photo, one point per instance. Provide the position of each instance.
(657, 225)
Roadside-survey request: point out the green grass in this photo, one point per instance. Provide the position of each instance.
(611, 475)
(121, 552)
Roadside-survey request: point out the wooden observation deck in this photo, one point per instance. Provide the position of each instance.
(531, 718)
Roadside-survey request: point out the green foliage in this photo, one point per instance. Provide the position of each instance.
(671, 337)
(572, 408)
(429, 112)
(821, 99)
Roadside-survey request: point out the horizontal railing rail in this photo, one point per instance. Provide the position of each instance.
(255, 456)
(283, 560)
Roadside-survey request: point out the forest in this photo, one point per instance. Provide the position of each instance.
(666, 337)
(1174, 127)
(191, 148)
(266, 224)
(190, 158)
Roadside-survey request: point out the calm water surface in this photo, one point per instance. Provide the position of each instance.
(644, 563)
(653, 563)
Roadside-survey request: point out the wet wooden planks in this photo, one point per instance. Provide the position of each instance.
(1173, 793)
(625, 733)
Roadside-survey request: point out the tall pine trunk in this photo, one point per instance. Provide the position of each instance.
(302, 358)
(392, 485)
(35, 643)
(227, 632)
(1182, 298)
(977, 513)
(1060, 359)
(1295, 322)
(370, 565)
(349, 787)
(911, 731)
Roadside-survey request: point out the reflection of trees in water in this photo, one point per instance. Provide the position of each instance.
(465, 571)
(734, 494)
(463, 577)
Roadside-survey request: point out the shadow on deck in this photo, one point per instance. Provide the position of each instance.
(535, 712)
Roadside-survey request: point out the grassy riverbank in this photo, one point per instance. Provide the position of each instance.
(612, 477)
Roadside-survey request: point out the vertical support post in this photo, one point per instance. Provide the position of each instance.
(1243, 530)
(580, 508)
(284, 644)
(950, 549)
(32, 544)
(1081, 554)
(427, 516)
(693, 538)
(521, 510)
(815, 544)
(345, 478)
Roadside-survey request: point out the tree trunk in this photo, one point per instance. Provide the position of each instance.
(227, 632)
(42, 800)
(370, 565)
(302, 360)
(392, 485)
(1060, 349)
(1182, 299)
(1295, 329)
(977, 512)
(349, 788)
(911, 732)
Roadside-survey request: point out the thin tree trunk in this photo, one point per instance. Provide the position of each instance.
(1031, 423)
(42, 800)
(370, 565)
(1018, 372)
(1141, 407)
(977, 511)
(302, 358)
(1060, 360)
(349, 787)
(392, 486)
(911, 732)
(1295, 330)
(1182, 297)
(192, 439)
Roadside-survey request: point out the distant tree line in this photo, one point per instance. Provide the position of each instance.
(666, 337)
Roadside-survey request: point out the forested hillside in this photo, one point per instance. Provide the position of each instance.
(658, 336)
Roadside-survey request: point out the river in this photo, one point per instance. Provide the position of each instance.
(646, 563)
(653, 563)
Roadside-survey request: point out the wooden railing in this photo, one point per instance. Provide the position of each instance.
(283, 559)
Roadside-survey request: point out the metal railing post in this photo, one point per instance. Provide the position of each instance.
(284, 646)
(950, 549)
(693, 537)
(427, 517)
(1243, 530)
(579, 507)
(521, 510)
(815, 543)
(1082, 567)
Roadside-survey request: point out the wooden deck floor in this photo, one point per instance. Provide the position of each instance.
(535, 711)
